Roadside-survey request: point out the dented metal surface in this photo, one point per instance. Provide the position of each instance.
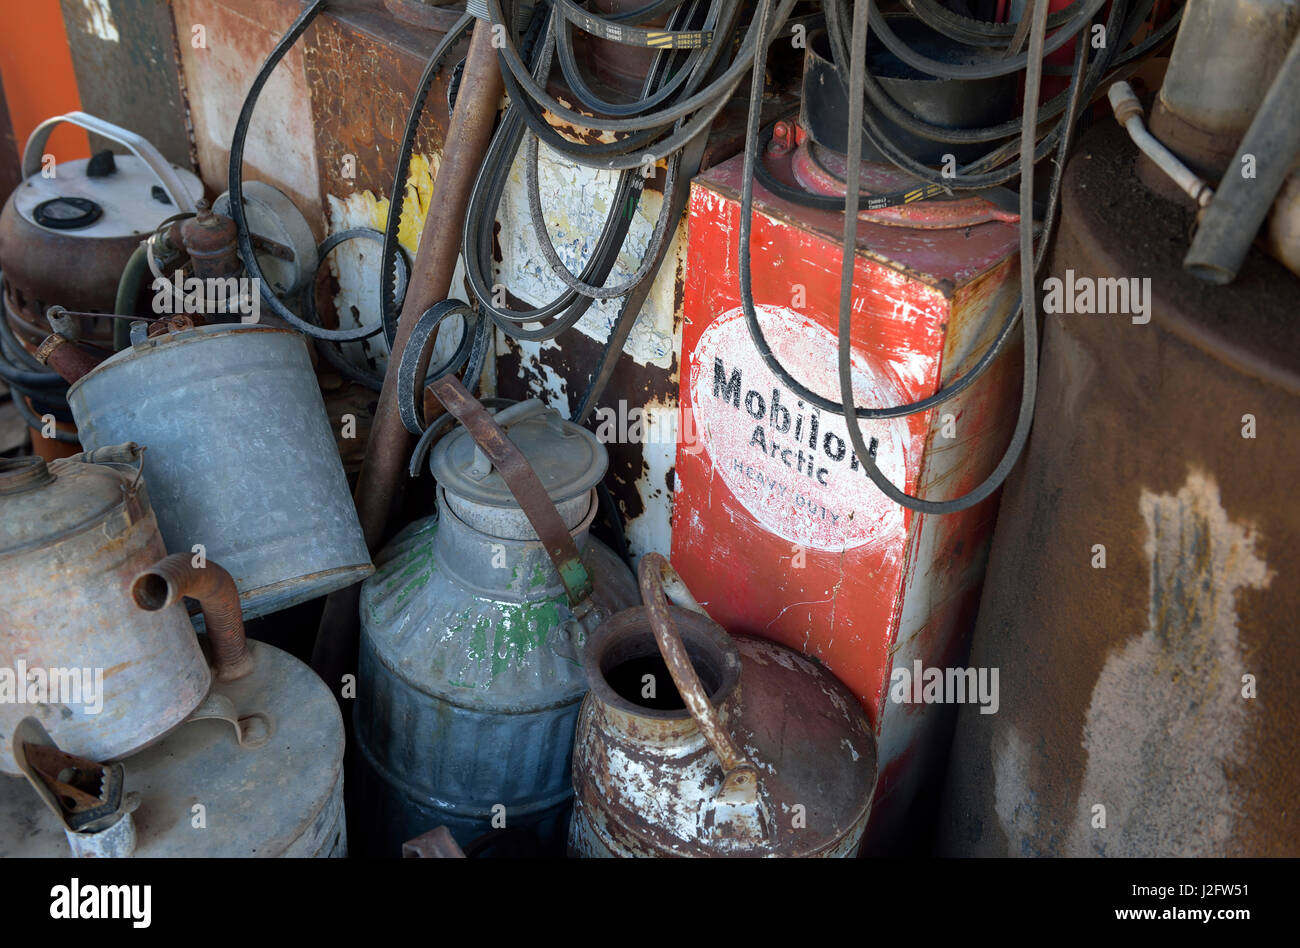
(773, 758)
(108, 679)
(241, 461)
(203, 793)
(1141, 594)
(469, 678)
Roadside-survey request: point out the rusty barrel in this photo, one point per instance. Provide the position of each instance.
(695, 743)
(1142, 592)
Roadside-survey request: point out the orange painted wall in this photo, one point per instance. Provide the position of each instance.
(36, 66)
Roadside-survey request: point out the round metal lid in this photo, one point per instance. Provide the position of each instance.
(568, 459)
(125, 199)
(40, 506)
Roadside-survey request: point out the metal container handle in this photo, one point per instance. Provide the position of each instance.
(738, 810)
(141, 147)
(528, 490)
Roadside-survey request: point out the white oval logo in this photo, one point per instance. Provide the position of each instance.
(791, 465)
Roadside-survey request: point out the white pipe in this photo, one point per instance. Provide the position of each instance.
(1128, 112)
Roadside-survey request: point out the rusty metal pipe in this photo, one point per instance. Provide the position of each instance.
(390, 443)
(169, 579)
(69, 359)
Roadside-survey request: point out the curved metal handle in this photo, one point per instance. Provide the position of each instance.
(738, 811)
(481, 465)
(528, 491)
(141, 147)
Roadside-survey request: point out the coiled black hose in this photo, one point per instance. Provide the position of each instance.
(856, 78)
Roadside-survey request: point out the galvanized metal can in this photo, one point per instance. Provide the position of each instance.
(270, 785)
(671, 759)
(241, 457)
(469, 678)
(103, 678)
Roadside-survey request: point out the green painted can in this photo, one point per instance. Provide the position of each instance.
(469, 681)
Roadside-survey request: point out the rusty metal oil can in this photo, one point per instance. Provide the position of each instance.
(469, 680)
(694, 743)
(241, 459)
(271, 785)
(102, 677)
(66, 235)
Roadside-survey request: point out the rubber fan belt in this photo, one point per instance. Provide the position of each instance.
(235, 184)
(650, 257)
(484, 200)
(579, 87)
(514, 65)
(413, 369)
(856, 90)
(388, 303)
(342, 365)
(570, 305)
(617, 155)
(630, 35)
(756, 332)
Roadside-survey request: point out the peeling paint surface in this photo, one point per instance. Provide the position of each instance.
(280, 147)
(575, 200)
(98, 18)
(844, 603)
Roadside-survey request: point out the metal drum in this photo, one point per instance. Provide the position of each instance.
(271, 785)
(102, 677)
(241, 458)
(673, 758)
(469, 677)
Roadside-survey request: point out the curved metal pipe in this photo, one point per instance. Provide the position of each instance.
(1128, 112)
(68, 358)
(171, 578)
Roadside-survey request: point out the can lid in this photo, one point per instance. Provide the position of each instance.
(568, 459)
(40, 505)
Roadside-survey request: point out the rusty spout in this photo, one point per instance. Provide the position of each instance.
(68, 358)
(169, 579)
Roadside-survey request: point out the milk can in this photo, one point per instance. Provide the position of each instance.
(470, 678)
(241, 459)
(102, 677)
(695, 743)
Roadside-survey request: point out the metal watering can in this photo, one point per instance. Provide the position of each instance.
(213, 786)
(102, 677)
(469, 677)
(672, 759)
(241, 460)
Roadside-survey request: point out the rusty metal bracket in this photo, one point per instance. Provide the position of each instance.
(251, 730)
(87, 796)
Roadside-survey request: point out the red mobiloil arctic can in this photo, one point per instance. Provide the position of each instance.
(777, 529)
